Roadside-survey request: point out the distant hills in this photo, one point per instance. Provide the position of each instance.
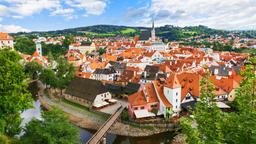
(167, 32)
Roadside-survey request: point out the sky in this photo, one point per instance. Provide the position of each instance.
(45, 15)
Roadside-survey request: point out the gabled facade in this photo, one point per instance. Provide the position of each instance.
(107, 74)
(5, 40)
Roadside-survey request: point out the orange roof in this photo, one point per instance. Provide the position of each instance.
(35, 54)
(227, 84)
(151, 93)
(149, 54)
(129, 76)
(5, 36)
(219, 91)
(190, 83)
(172, 81)
(160, 92)
(110, 57)
(84, 74)
(94, 65)
(139, 98)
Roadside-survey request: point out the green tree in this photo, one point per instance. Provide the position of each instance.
(242, 124)
(24, 44)
(50, 59)
(68, 40)
(208, 124)
(48, 77)
(54, 128)
(65, 73)
(53, 50)
(102, 51)
(205, 124)
(33, 69)
(14, 97)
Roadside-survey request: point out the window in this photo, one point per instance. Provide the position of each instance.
(188, 97)
(142, 107)
(136, 108)
(176, 93)
(176, 107)
(176, 100)
(154, 106)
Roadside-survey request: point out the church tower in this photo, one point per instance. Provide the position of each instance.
(153, 32)
(172, 91)
(39, 48)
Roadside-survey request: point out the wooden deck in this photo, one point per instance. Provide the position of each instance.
(97, 137)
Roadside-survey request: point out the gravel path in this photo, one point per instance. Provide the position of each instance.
(91, 120)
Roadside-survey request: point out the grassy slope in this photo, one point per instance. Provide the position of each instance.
(128, 30)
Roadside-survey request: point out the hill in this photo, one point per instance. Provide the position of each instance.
(168, 32)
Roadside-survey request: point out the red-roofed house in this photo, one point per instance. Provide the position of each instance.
(5, 40)
(143, 102)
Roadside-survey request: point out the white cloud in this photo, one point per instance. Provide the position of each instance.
(61, 11)
(92, 7)
(3, 10)
(22, 8)
(12, 28)
(221, 14)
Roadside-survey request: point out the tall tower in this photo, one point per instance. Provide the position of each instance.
(39, 48)
(153, 32)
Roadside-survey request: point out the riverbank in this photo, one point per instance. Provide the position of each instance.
(89, 120)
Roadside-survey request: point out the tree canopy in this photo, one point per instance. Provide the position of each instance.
(14, 96)
(54, 128)
(24, 44)
(208, 124)
(33, 69)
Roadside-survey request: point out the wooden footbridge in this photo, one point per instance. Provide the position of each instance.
(100, 134)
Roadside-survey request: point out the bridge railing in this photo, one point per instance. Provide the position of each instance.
(102, 126)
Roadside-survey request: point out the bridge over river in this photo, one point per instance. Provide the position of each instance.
(98, 137)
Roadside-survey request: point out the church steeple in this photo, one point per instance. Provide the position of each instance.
(153, 32)
(153, 24)
(39, 48)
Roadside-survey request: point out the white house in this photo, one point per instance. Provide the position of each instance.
(5, 40)
(89, 92)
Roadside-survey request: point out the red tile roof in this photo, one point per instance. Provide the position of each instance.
(172, 81)
(5, 36)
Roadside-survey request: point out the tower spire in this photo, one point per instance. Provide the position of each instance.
(153, 24)
(153, 32)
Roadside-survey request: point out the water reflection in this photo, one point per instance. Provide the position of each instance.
(163, 138)
(29, 114)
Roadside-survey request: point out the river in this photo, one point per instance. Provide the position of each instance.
(163, 138)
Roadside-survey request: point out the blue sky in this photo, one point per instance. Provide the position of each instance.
(43, 15)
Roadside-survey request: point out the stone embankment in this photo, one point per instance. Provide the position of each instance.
(92, 120)
(87, 120)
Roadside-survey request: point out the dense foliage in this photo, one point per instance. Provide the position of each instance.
(102, 51)
(208, 124)
(54, 128)
(168, 32)
(25, 44)
(33, 69)
(14, 97)
(60, 76)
